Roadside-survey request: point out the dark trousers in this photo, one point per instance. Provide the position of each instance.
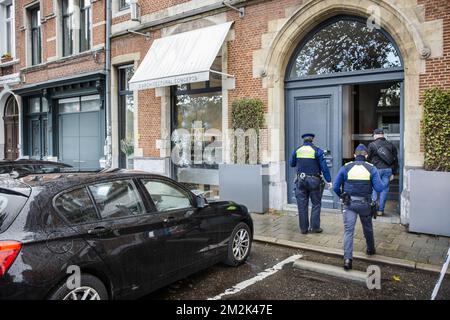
(350, 213)
(309, 188)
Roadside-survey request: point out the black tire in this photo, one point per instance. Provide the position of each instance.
(231, 259)
(88, 281)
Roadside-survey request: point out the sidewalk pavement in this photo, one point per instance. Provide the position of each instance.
(394, 244)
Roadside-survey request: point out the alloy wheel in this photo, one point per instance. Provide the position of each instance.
(241, 244)
(82, 293)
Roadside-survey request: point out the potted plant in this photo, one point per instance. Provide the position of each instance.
(244, 179)
(428, 189)
(127, 147)
(6, 57)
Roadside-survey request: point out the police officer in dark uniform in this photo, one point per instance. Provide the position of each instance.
(310, 163)
(357, 178)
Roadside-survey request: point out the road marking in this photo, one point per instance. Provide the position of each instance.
(441, 276)
(260, 276)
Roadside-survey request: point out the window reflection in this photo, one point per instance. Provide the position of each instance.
(344, 46)
(198, 109)
(126, 116)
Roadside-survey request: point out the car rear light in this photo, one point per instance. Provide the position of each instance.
(8, 253)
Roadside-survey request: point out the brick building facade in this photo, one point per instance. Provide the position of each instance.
(259, 51)
(262, 51)
(57, 58)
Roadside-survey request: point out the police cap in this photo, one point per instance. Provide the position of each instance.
(308, 135)
(361, 149)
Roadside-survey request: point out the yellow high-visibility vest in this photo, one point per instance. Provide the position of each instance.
(358, 172)
(306, 152)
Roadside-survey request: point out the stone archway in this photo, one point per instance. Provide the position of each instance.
(5, 96)
(11, 128)
(411, 34)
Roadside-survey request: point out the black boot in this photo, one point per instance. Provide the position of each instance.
(320, 230)
(347, 264)
(370, 252)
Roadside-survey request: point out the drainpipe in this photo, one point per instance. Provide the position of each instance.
(108, 142)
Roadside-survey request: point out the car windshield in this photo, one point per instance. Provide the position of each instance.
(13, 196)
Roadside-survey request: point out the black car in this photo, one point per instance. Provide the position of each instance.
(25, 166)
(110, 235)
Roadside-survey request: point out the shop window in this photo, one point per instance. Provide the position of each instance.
(197, 109)
(80, 104)
(344, 45)
(126, 117)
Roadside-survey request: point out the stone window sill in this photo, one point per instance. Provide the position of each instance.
(61, 60)
(9, 63)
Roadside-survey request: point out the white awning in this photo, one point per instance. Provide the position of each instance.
(182, 58)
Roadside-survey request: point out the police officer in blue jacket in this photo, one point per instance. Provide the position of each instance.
(310, 163)
(357, 178)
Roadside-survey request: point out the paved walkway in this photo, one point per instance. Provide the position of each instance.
(392, 240)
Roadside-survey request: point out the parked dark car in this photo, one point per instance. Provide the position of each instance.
(127, 233)
(24, 167)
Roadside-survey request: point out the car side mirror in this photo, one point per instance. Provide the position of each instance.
(201, 201)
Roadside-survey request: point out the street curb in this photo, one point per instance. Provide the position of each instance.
(330, 270)
(358, 255)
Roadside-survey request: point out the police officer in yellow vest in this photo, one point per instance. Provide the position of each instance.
(357, 178)
(310, 163)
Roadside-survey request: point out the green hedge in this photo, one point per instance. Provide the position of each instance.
(436, 129)
(247, 114)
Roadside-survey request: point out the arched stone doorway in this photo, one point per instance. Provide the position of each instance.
(415, 46)
(343, 80)
(11, 128)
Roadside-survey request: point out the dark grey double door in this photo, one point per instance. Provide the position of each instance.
(80, 139)
(316, 110)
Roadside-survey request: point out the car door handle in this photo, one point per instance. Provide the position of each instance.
(188, 213)
(169, 220)
(99, 231)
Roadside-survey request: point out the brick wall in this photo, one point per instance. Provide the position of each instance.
(437, 69)
(54, 67)
(150, 7)
(248, 33)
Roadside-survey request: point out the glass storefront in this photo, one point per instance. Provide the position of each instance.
(126, 118)
(198, 111)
